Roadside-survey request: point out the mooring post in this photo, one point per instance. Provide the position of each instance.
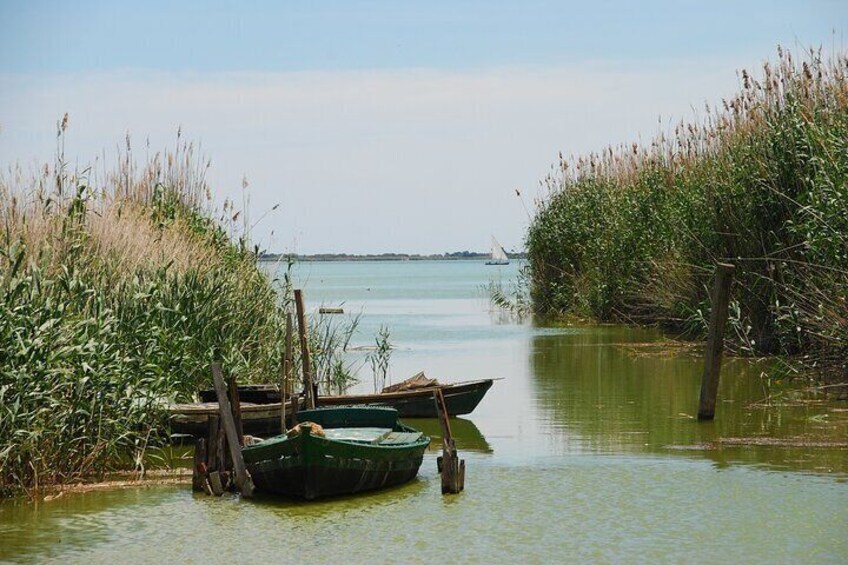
(287, 367)
(304, 348)
(715, 340)
(243, 480)
(449, 464)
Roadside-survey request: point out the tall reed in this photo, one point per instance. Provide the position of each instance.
(761, 180)
(118, 288)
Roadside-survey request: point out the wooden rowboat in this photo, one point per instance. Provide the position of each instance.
(260, 405)
(337, 451)
(460, 398)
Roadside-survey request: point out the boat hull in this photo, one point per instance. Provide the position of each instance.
(310, 466)
(460, 399)
(313, 467)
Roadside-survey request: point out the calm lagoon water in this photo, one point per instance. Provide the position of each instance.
(586, 450)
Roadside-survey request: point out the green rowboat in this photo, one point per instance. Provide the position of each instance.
(360, 448)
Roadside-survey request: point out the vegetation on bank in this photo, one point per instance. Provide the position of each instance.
(633, 233)
(117, 290)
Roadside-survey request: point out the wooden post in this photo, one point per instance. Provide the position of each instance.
(224, 462)
(715, 341)
(449, 464)
(212, 442)
(304, 348)
(243, 480)
(198, 474)
(235, 403)
(287, 368)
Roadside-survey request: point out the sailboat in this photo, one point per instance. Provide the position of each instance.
(498, 254)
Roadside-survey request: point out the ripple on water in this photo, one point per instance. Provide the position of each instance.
(602, 508)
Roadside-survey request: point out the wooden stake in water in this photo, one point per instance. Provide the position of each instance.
(304, 348)
(287, 367)
(450, 465)
(715, 341)
(243, 480)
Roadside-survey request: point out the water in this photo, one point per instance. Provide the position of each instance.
(586, 450)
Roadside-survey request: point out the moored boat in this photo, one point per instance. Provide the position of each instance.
(460, 399)
(260, 405)
(334, 451)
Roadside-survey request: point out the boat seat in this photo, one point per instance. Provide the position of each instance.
(359, 435)
(400, 438)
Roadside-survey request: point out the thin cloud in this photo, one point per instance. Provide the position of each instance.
(364, 161)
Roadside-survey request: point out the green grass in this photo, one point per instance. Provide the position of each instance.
(632, 234)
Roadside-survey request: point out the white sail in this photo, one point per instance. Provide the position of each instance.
(499, 256)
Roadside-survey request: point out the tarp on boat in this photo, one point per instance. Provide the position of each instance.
(412, 383)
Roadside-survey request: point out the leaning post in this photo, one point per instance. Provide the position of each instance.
(715, 340)
(243, 480)
(304, 348)
(451, 467)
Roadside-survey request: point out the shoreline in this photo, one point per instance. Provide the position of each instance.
(113, 481)
(327, 257)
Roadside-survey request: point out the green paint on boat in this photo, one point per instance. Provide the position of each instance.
(363, 448)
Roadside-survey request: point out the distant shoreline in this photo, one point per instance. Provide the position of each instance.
(458, 256)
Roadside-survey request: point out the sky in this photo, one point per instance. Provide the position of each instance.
(379, 126)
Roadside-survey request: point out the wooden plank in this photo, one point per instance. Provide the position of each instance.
(232, 390)
(715, 341)
(224, 461)
(304, 348)
(243, 481)
(212, 442)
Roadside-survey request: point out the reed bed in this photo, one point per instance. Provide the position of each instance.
(118, 288)
(632, 233)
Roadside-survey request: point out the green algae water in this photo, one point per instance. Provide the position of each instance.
(586, 450)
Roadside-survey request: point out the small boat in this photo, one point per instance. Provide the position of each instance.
(260, 404)
(335, 451)
(499, 256)
(460, 399)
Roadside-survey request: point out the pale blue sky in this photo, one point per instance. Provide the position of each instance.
(380, 126)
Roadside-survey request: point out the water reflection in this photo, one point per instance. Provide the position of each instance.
(466, 433)
(591, 388)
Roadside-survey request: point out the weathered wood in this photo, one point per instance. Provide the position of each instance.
(198, 473)
(451, 467)
(235, 403)
(243, 480)
(212, 442)
(442, 411)
(215, 483)
(287, 369)
(715, 341)
(304, 348)
(224, 462)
